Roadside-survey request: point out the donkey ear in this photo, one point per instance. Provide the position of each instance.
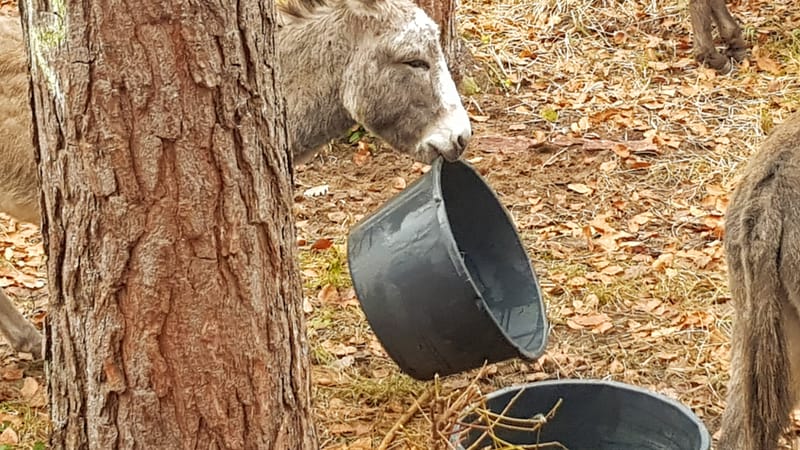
(364, 7)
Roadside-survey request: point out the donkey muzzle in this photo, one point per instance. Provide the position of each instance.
(448, 138)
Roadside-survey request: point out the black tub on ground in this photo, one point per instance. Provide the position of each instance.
(590, 415)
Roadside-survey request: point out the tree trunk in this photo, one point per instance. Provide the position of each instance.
(455, 51)
(175, 316)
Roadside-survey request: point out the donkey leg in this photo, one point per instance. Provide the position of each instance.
(792, 335)
(729, 30)
(20, 333)
(732, 435)
(704, 52)
(757, 424)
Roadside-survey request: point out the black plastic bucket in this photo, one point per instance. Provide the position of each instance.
(592, 415)
(443, 278)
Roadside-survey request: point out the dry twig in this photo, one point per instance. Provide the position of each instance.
(418, 403)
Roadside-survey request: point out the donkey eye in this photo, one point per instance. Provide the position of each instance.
(418, 64)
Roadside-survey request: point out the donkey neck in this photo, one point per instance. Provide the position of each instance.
(314, 53)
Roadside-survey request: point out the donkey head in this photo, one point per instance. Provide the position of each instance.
(397, 84)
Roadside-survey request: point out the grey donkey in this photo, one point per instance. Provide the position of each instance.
(375, 62)
(762, 245)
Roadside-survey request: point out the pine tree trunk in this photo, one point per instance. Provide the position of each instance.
(175, 318)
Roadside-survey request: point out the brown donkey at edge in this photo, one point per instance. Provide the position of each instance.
(762, 245)
(374, 62)
(704, 15)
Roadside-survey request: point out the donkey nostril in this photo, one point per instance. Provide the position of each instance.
(462, 143)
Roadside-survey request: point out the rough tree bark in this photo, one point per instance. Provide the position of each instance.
(161, 142)
(455, 51)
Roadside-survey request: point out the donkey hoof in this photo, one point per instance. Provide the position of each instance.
(737, 53)
(31, 344)
(716, 61)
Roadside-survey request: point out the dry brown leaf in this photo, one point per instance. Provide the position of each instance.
(308, 308)
(381, 373)
(499, 143)
(602, 327)
(338, 348)
(768, 64)
(608, 166)
(323, 380)
(349, 297)
(636, 163)
(574, 325)
(337, 216)
(612, 270)
(663, 261)
(662, 332)
(665, 356)
(341, 428)
(9, 437)
(424, 168)
(364, 443)
(577, 281)
(621, 150)
(608, 242)
(715, 189)
(651, 306)
(344, 362)
(363, 154)
(398, 183)
(579, 188)
(592, 320)
(360, 159)
(29, 388)
(329, 294)
(11, 373)
(322, 244)
(537, 376)
(716, 223)
(11, 419)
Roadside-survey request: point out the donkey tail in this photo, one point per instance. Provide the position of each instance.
(765, 363)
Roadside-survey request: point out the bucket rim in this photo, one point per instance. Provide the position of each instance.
(458, 262)
(705, 436)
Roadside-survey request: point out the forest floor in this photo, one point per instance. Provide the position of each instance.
(614, 152)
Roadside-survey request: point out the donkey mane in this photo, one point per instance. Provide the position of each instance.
(295, 10)
(302, 9)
